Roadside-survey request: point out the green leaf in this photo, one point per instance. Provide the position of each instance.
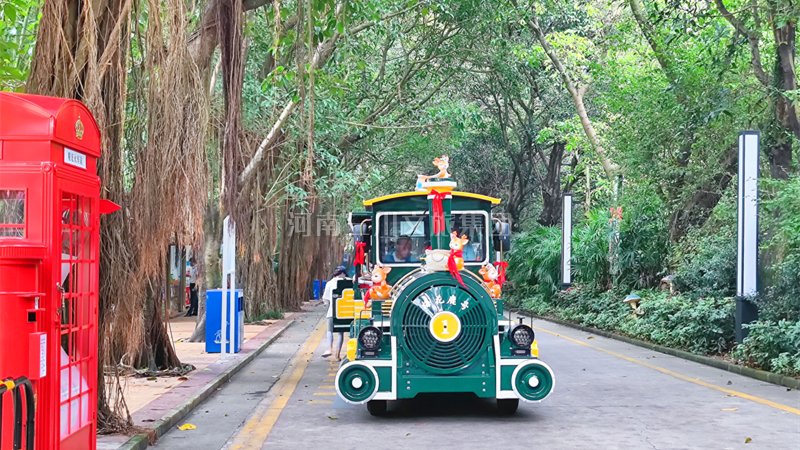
(10, 12)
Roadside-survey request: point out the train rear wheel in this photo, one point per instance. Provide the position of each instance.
(507, 406)
(377, 408)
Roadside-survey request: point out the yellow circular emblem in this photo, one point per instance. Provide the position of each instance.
(445, 326)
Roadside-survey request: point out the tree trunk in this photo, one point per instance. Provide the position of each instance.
(159, 354)
(577, 98)
(697, 208)
(780, 154)
(551, 188)
(211, 267)
(81, 52)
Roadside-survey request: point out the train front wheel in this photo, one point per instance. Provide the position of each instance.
(507, 406)
(377, 407)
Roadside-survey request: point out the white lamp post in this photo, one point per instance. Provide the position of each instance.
(747, 260)
(566, 240)
(229, 296)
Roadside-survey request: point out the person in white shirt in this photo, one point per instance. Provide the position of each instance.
(327, 296)
(191, 276)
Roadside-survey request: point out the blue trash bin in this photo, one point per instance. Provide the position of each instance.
(316, 287)
(214, 321)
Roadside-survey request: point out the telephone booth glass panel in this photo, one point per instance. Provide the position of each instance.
(12, 213)
(78, 266)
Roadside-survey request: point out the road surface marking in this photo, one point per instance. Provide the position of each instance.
(680, 376)
(255, 431)
(328, 394)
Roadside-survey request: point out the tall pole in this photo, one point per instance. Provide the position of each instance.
(747, 259)
(228, 315)
(566, 240)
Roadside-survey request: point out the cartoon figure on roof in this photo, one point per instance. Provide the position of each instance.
(443, 164)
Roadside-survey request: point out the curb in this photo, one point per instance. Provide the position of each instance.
(761, 375)
(142, 440)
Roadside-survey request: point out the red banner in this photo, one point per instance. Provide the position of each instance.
(501, 272)
(360, 257)
(438, 211)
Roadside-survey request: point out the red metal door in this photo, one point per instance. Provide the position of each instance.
(77, 286)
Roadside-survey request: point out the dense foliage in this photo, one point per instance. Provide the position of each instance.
(699, 316)
(697, 325)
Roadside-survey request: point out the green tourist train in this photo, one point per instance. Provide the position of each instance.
(425, 308)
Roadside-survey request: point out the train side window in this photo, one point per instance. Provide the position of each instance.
(474, 225)
(402, 237)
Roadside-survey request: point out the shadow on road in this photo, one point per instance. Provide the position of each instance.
(456, 406)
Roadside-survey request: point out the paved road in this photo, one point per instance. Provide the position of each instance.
(608, 395)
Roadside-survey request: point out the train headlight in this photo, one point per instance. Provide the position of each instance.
(521, 336)
(370, 338)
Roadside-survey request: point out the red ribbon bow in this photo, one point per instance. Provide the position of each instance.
(360, 256)
(453, 267)
(366, 298)
(501, 272)
(438, 211)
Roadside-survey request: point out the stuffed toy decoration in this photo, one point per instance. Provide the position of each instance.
(442, 164)
(379, 290)
(456, 261)
(490, 275)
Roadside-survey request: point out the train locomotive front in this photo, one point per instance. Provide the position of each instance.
(434, 325)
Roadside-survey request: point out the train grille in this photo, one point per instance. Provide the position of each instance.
(445, 357)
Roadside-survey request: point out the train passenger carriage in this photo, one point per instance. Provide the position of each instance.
(425, 309)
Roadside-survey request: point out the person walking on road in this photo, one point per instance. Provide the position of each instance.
(191, 277)
(327, 296)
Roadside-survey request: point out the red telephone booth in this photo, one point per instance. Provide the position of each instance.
(49, 251)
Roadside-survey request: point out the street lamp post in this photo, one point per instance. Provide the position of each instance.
(566, 240)
(747, 248)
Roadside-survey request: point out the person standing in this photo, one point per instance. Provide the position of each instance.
(191, 277)
(327, 296)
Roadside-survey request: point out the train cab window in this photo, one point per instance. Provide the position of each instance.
(474, 225)
(402, 238)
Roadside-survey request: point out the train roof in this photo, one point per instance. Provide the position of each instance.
(383, 198)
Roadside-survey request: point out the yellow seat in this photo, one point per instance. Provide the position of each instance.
(348, 307)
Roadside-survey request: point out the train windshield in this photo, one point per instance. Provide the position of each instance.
(403, 237)
(474, 225)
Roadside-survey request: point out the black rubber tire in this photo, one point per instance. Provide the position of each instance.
(377, 408)
(507, 406)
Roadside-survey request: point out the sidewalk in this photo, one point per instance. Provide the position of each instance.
(158, 404)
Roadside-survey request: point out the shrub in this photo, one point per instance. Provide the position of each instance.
(781, 251)
(590, 250)
(535, 260)
(771, 345)
(782, 300)
(705, 260)
(272, 314)
(644, 239)
(697, 325)
(703, 325)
